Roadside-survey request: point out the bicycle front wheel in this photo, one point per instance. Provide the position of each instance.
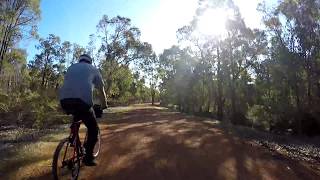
(66, 161)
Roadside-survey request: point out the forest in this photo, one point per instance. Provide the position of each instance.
(266, 78)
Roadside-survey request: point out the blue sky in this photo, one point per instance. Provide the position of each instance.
(158, 20)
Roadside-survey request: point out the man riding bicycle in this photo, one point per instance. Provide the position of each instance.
(76, 99)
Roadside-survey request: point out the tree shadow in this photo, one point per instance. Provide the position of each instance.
(152, 144)
(148, 144)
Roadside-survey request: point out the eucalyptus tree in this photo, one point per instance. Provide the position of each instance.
(293, 66)
(120, 45)
(17, 17)
(77, 50)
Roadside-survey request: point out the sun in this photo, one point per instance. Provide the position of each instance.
(212, 22)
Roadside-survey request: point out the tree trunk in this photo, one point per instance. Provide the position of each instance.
(44, 71)
(233, 100)
(309, 88)
(3, 44)
(209, 103)
(232, 86)
(8, 84)
(109, 84)
(179, 103)
(203, 103)
(309, 79)
(43, 77)
(152, 96)
(220, 103)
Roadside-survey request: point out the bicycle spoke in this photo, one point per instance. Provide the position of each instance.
(65, 164)
(68, 155)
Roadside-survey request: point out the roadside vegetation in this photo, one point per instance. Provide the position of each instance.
(29, 87)
(261, 85)
(266, 79)
(262, 78)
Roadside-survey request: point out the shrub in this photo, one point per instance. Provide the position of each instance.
(28, 109)
(258, 117)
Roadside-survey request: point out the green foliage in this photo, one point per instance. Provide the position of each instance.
(29, 91)
(259, 117)
(266, 79)
(29, 109)
(17, 20)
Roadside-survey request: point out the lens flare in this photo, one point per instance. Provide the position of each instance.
(212, 22)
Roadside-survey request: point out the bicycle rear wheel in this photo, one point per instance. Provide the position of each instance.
(65, 164)
(96, 149)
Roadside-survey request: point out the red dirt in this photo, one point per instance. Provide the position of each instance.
(149, 144)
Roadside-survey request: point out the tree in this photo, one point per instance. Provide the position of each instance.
(149, 66)
(176, 71)
(293, 28)
(91, 48)
(219, 76)
(46, 61)
(14, 71)
(16, 17)
(65, 52)
(77, 51)
(120, 45)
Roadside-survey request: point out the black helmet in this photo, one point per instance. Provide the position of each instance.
(85, 58)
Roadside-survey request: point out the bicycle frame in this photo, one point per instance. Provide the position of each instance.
(75, 141)
(70, 160)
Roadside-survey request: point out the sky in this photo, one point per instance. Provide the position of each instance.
(158, 20)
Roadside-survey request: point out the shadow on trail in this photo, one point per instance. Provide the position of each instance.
(153, 144)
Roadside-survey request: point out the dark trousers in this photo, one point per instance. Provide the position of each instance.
(82, 111)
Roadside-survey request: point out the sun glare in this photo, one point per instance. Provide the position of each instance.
(212, 22)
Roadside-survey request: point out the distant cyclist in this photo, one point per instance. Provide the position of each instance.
(76, 98)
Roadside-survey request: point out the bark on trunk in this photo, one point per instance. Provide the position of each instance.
(152, 96)
(220, 103)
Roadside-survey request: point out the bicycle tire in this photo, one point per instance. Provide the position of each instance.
(55, 163)
(96, 149)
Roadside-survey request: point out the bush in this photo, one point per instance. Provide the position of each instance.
(258, 117)
(28, 109)
(310, 124)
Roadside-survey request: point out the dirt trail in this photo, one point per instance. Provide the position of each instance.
(150, 144)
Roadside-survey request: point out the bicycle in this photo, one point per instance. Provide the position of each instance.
(73, 152)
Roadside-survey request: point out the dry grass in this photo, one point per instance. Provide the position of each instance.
(21, 158)
(25, 158)
(27, 153)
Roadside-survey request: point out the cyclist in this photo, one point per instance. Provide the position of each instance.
(76, 98)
